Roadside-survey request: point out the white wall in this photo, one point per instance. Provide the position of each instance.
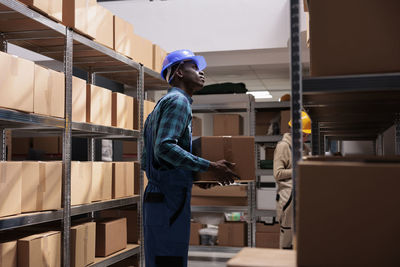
(358, 147)
(209, 25)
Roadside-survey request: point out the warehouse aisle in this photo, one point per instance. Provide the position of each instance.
(209, 259)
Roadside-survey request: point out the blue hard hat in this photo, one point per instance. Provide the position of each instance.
(182, 55)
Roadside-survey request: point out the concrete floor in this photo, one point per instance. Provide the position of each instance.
(208, 259)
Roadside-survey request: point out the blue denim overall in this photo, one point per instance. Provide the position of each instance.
(166, 212)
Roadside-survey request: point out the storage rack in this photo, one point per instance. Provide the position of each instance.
(229, 104)
(27, 28)
(351, 107)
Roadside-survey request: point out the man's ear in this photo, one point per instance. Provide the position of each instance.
(179, 73)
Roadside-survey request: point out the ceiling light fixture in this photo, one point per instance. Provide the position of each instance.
(260, 94)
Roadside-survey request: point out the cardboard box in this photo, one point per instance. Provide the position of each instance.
(285, 118)
(8, 253)
(41, 185)
(218, 201)
(266, 198)
(252, 257)
(78, 14)
(131, 216)
(129, 148)
(269, 153)
(264, 120)
(197, 128)
(221, 191)
(16, 83)
(49, 145)
(78, 100)
(122, 111)
(268, 228)
(340, 216)
(341, 47)
(98, 105)
(236, 149)
(40, 250)
(110, 236)
(123, 179)
(101, 181)
(123, 36)
(136, 114)
(194, 233)
(81, 182)
(10, 188)
(227, 125)
(101, 26)
(83, 244)
(159, 55)
(52, 8)
(148, 107)
(142, 51)
(49, 92)
(267, 240)
(232, 234)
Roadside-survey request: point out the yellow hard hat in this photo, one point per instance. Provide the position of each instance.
(305, 121)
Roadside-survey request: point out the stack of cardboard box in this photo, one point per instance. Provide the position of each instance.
(29, 187)
(98, 23)
(267, 236)
(232, 234)
(101, 181)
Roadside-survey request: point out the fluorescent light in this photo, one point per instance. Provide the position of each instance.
(260, 94)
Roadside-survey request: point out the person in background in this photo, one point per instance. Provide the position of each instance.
(169, 163)
(283, 177)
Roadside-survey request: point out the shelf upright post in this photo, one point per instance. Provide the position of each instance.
(397, 133)
(3, 144)
(252, 123)
(3, 47)
(315, 138)
(3, 43)
(140, 97)
(91, 77)
(296, 99)
(66, 154)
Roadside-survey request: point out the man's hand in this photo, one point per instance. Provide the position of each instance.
(224, 172)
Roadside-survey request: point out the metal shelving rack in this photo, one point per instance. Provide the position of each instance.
(273, 139)
(27, 28)
(350, 107)
(240, 103)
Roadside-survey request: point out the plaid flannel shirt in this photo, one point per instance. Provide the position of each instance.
(172, 131)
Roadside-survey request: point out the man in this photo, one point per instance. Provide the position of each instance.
(169, 163)
(283, 177)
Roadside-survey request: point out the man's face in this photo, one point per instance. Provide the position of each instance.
(192, 76)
